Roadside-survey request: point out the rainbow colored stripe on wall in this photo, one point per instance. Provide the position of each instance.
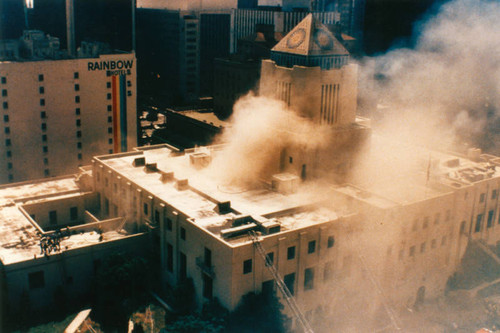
(119, 92)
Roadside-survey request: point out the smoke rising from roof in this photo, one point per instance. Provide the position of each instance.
(447, 86)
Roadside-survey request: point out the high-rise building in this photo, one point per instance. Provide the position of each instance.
(57, 113)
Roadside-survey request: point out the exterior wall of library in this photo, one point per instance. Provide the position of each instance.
(405, 247)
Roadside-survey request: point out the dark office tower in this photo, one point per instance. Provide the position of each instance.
(49, 16)
(214, 43)
(11, 19)
(108, 21)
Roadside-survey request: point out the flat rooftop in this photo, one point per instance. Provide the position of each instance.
(19, 238)
(200, 199)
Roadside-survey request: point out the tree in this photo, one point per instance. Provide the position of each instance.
(257, 313)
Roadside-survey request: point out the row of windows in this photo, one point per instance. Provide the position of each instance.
(423, 247)
(426, 220)
(41, 77)
(489, 222)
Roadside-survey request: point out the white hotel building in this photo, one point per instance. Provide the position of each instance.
(58, 113)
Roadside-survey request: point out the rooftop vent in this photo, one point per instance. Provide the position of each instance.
(285, 183)
(200, 160)
(139, 161)
(223, 207)
(182, 184)
(474, 154)
(166, 176)
(151, 167)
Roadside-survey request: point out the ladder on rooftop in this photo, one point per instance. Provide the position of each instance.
(290, 300)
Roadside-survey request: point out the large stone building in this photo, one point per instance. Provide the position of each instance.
(59, 113)
(352, 251)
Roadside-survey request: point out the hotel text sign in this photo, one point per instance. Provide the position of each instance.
(112, 67)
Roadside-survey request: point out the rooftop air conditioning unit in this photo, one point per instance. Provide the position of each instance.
(182, 184)
(200, 160)
(285, 183)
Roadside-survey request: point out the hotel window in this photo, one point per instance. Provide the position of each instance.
(290, 253)
(247, 266)
(44, 127)
(110, 130)
(41, 90)
(77, 99)
(79, 145)
(45, 149)
(494, 194)
(78, 123)
(8, 153)
(145, 209)
(311, 247)
(11, 177)
(6, 118)
(9, 165)
(78, 134)
(110, 151)
(76, 75)
(8, 143)
(44, 138)
(4, 80)
(108, 96)
(108, 84)
(5, 105)
(170, 257)
(79, 156)
(110, 141)
(43, 115)
(129, 84)
(129, 93)
(110, 108)
(110, 119)
(308, 278)
(183, 233)
(45, 161)
(77, 111)
(40, 77)
(7, 130)
(4, 92)
(42, 102)
(77, 87)
(481, 197)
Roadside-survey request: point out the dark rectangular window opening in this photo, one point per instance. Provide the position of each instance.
(77, 99)
(308, 278)
(479, 219)
(270, 259)
(290, 253)
(76, 75)
(247, 266)
(289, 280)
(5, 105)
(482, 197)
(168, 222)
(53, 217)
(77, 111)
(182, 266)
(170, 257)
(73, 213)
(36, 280)
(208, 257)
(40, 77)
(207, 286)
(77, 87)
(42, 102)
(41, 90)
(311, 247)
(183, 233)
(145, 209)
(491, 214)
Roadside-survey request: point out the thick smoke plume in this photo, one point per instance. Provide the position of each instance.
(448, 86)
(261, 127)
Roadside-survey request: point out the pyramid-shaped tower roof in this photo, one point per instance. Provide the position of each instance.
(311, 38)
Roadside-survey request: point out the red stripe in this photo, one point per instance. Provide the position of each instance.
(115, 114)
